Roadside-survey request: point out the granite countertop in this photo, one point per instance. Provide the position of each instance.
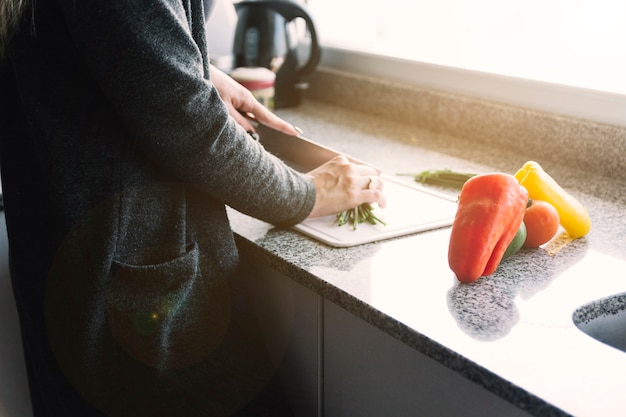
(511, 332)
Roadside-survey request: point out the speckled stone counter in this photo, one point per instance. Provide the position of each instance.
(511, 332)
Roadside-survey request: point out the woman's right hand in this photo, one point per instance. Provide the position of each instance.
(241, 104)
(342, 185)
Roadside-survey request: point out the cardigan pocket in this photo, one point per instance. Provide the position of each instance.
(171, 314)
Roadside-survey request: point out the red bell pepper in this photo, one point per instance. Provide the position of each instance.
(491, 209)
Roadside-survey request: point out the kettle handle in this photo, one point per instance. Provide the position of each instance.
(290, 11)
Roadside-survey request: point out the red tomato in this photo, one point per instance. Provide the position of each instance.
(542, 223)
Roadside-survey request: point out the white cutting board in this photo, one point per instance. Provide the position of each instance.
(410, 209)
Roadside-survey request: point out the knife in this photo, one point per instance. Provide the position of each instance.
(301, 153)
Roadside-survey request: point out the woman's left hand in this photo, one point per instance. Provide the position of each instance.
(342, 185)
(241, 103)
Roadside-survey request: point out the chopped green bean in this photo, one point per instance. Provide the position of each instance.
(442, 177)
(359, 214)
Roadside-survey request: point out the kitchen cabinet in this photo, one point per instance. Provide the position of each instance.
(289, 318)
(332, 363)
(369, 373)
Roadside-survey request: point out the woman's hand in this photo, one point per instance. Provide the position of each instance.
(342, 185)
(239, 100)
(339, 184)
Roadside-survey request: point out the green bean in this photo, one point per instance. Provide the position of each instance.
(442, 177)
(359, 214)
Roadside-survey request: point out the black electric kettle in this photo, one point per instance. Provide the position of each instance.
(266, 36)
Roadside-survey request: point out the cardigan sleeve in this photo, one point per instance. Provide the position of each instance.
(150, 60)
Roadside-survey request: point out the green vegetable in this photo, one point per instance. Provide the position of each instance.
(442, 177)
(517, 242)
(359, 214)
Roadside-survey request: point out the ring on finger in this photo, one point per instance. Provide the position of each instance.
(372, 182)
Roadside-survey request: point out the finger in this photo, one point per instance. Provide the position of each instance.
(243, 121)
(373, 191)
(374, 182)
(374, 196)
(266, 117)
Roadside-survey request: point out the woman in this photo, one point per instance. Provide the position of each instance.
(120, 148)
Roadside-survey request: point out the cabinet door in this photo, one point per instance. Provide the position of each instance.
(369, 373)
(289, 317)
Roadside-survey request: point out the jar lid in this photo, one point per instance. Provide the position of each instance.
(246, 74)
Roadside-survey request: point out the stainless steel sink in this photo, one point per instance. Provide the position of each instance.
(604, 320)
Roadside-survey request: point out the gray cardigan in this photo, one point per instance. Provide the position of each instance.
(118, 158)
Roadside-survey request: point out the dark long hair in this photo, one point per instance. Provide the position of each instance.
(10, 14)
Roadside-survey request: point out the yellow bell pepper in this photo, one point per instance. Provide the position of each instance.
(541, 186)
